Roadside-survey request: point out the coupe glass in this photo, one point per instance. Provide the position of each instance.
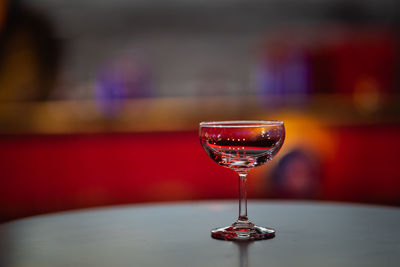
(241, 146)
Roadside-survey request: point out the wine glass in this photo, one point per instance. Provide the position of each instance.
(241, 146)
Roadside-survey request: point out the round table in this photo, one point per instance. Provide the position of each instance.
(178, 234)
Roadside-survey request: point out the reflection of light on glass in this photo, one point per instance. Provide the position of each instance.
(367, 98)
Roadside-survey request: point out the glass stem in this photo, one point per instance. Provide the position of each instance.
(242, 197)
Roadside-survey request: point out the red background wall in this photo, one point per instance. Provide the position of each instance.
(47, 173)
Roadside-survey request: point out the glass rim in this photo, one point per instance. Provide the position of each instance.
(241, 124)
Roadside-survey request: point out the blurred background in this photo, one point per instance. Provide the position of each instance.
(100, 100)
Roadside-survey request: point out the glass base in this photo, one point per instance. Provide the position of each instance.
(243, 232)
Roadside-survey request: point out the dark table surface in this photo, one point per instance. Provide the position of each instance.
(178, 234)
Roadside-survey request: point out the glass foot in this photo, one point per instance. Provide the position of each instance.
(243, 232)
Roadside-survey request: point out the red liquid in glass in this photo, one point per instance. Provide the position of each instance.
(242, 148)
